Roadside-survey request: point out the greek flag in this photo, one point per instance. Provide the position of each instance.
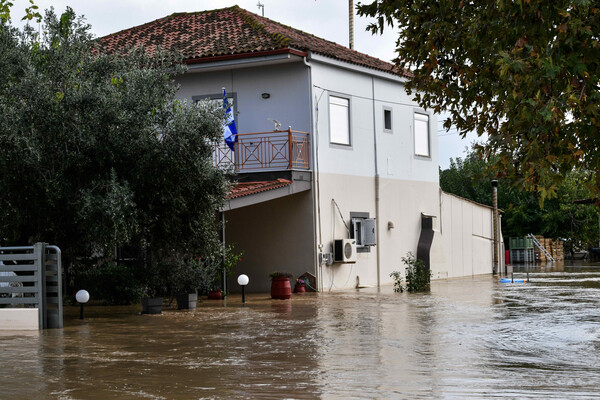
(230, 132)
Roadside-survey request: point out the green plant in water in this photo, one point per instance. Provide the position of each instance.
(417, 276)
(398, 281)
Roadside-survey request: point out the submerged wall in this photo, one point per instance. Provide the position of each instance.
(464, 238)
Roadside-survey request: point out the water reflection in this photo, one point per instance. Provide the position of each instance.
(473, 338)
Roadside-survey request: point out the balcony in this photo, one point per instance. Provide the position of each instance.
(265, 151)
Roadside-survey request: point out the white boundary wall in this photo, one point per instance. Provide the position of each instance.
(19, 319)
(463, 241)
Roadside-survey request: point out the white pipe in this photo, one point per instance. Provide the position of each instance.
(378, 247)
(315, 179)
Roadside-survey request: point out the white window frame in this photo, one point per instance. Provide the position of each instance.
(231, 99)
(419, 144)
(334, 140)
(391, 128)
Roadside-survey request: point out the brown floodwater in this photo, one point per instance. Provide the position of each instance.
(467, 338)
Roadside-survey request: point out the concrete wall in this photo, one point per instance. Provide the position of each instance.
(463, 243)
(19, 319)
(276, 235)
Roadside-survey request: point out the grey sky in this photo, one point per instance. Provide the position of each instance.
(324, 18)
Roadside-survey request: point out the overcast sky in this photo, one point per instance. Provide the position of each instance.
(324, 18)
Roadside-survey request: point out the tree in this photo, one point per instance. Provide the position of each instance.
(526, 72)
(98, 152)
(559, 217)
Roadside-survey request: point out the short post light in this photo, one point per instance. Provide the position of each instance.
(82, 297)
(243, 281)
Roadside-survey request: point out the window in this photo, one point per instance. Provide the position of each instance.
(422, 135)
(387, 120)
(218, 99)
(339, 120)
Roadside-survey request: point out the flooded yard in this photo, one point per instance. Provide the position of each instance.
(467, 338)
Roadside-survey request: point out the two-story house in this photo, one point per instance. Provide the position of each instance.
(349, 183)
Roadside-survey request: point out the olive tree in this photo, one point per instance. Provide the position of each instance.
(97, 151)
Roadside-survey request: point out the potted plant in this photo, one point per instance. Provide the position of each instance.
(299, 287)
(186, 277)
(280, 285)
(156, 290)
(231, 259)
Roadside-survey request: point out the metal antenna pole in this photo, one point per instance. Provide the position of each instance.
(495, 227)
(261, 6)
(351, 23)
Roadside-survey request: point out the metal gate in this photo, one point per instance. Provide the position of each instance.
(31, 276)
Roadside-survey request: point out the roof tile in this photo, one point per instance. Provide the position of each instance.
(247, 188)
(232, 31)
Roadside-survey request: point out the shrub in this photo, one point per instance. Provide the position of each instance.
(417, 275)
(115, 284)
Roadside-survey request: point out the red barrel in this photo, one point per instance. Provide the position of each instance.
(281, 288)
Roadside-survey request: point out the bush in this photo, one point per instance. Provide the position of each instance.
(115, 284)
(417, 276)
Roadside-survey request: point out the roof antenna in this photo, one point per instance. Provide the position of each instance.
(259, 5)
(351, 23)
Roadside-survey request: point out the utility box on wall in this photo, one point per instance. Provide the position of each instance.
(369, 232)
(364, 231)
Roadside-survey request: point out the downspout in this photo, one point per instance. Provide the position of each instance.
(376, 186)
(315, 179)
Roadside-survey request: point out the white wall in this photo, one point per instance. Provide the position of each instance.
(464, 242)
(19, 319)
(408, 184)
(368, 95)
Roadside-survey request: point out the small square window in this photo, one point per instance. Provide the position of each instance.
(387, 120)
(339, 120)
(421, 135)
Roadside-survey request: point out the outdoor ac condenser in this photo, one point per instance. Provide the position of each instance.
(344, 250)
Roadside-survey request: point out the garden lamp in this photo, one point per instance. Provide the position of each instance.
(82, 297)
(243, 281)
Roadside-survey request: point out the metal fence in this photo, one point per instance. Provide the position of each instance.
(31, 276)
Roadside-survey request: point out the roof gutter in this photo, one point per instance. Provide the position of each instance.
(318, 58)
(227, 57)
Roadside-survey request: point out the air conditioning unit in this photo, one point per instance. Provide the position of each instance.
(344, 250)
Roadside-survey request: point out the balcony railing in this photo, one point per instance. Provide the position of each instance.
(265, 151)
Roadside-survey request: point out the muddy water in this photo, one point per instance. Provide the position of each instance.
(468, 338)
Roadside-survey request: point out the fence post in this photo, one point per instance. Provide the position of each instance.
(39, 251)
(290, 144)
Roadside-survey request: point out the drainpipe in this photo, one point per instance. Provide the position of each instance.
(315, 180)
(376, 186)
(495, 226)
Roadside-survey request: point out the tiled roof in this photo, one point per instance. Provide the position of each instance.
(202, 36)
(247, 188)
